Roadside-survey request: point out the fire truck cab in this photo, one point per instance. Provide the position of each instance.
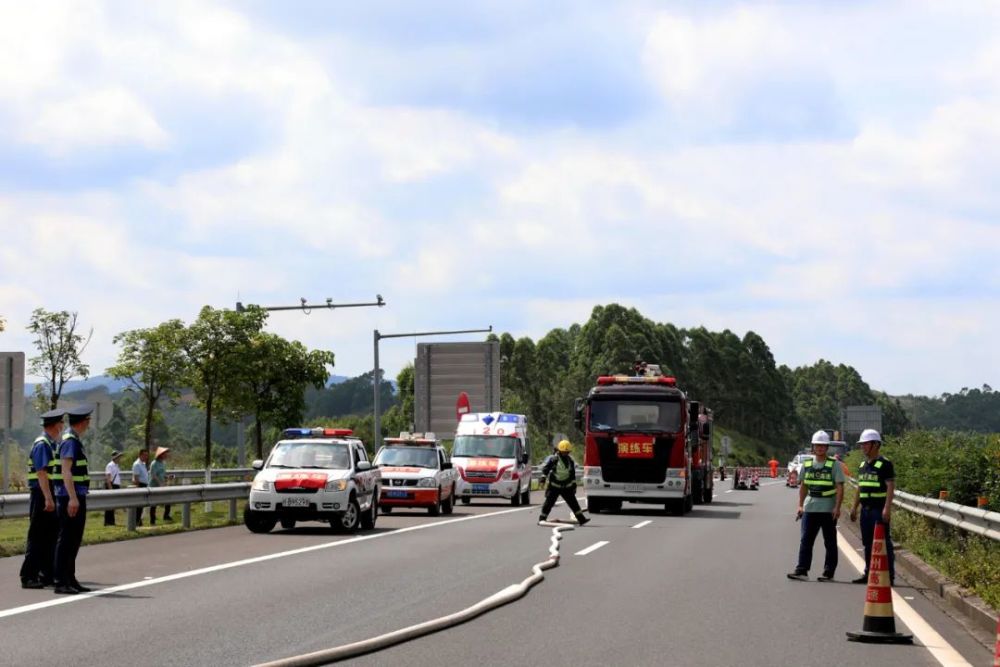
(638, 441)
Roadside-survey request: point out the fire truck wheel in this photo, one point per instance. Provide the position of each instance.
(709, 494)
(435, 509)
(688, 504)
(614, 506)
(675, 507)
(595, 505)
(696, 496)
(448, 506)
(288, 524)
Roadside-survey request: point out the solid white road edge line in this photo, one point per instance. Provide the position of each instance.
(14, 611)
(591, 548)
(642, 523)
(928, 636)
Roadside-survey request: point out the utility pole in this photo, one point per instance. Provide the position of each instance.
(376, 379)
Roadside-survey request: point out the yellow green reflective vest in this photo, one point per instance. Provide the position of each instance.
(870, 486)
(53, 468)
(819, 480)
(81, 475)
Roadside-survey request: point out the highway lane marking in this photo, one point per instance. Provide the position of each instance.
(729, 491)
(15, 611)
(939, 647)
(592, 548)
(642, 523)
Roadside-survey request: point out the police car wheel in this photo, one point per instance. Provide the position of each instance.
(448, 506)
(257, 522)
(369, 517)
(349, 520)
(435, 509)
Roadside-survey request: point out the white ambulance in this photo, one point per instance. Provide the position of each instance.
(493, 458)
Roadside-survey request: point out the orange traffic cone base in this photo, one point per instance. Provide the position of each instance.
(879, 626)
(879, 637)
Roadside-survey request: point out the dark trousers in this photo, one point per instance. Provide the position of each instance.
(552, 494)
(152, 514)
(68, 542)
(43, 528)
(109, 515)
(812, 524)
(871, 515)
(138, 510)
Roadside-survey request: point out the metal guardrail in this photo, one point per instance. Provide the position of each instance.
(199, 473)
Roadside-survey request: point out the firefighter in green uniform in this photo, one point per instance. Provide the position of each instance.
(820, 497)
(559, 472)
(43, 525)
(876, 486)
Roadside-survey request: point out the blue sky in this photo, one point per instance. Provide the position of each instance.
(822, 176)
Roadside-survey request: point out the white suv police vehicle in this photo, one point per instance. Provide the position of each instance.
(416, 472)
(314, 474)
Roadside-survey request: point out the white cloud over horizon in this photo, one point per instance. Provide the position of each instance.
(822, 177)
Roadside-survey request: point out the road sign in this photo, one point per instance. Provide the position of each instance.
(726, 444)
(856, 418)
(442, 371)
(11, 390)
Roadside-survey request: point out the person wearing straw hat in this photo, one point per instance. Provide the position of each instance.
(112, 480)
(43, 523)
(71, 501)
(876, 486)
(158, 477)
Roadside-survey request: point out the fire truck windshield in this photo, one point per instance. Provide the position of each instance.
(635, 415)
(484, 445)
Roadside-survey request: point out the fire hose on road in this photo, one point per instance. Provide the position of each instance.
(498, 599)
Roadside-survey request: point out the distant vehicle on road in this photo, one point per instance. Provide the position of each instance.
(416, 472)
(314, 474)
(492, 457)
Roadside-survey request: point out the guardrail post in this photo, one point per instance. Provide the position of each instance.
(130, 523)
(186, 515)
(232, 509)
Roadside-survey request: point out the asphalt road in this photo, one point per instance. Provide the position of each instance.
(708, 588)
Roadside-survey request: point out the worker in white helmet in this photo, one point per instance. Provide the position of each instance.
(876, 486)
(820, 497)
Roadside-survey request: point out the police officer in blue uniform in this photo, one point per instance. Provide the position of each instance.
(71, 501)
(43, 526)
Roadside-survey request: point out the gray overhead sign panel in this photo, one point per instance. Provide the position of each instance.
(11, 390)
(856, 418)
(445, 370)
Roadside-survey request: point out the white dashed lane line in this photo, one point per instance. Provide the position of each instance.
(641, 524)
(592, 548)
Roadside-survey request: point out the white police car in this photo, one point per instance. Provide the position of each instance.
(416, 472)
(314, 474)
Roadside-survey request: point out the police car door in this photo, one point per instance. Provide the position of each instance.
(365, 480)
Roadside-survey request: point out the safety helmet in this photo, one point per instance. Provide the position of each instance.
(564, 446)
(870, 435)
(821, 438)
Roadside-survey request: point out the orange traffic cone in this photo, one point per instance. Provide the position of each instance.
(880, 623)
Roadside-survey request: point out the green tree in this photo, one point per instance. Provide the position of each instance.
(215, 346)
(60, 347)
(154, 364)
(270, 379)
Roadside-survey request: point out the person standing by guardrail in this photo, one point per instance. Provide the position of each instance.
(158, 477)
(140, 478)
(43, 522)
(876, 487)
(559, 472)
(112, 480)
(71, 501)
(820, 498)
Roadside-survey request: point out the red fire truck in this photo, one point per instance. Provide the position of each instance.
(642, 434)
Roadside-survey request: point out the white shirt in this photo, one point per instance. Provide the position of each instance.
(112, 473)
(139, 472)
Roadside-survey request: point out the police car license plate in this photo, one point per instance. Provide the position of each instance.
(295, 501)
(633, 488)
(481, 488)
(395, 494)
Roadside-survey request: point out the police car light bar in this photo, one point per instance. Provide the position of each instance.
(631, 379)
(318, 431)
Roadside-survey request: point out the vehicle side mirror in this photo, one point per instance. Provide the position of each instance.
(694, 408)
(578, 413)
(526, 458)
(447, 465)
(257, 464)
(363, 465)
(706, 431)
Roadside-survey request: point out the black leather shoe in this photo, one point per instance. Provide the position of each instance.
(32, 583)
(582, 520)
(826, 576)
(863, 579)
(65, 590)
(80, 588)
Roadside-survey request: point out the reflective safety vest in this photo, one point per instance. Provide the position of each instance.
(562, 472)
(52, 468)
(81, 476)
(870, 485)
(819, 481)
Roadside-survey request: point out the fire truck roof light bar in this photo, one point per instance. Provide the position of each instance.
(630, 379)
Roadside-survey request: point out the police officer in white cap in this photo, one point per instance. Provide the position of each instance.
(876, 486)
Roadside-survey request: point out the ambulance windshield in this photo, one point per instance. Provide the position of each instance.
(420, 457)
(503, 447)
(635, 415)
(292, 454)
